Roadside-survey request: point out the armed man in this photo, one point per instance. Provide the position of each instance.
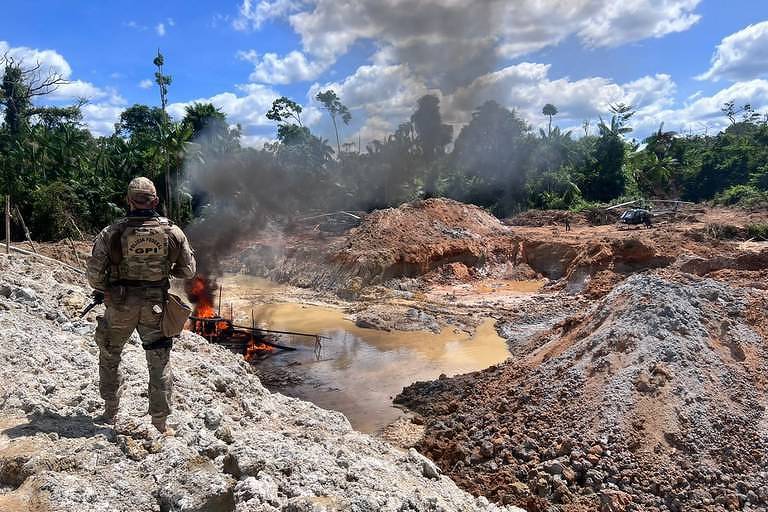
(130, 269)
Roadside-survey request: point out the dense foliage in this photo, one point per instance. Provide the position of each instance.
(65, 181)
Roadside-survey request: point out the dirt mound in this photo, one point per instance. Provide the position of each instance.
(445, 241)
(418, 237)
(408, 241)
(655, 399)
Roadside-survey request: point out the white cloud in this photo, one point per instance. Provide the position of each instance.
(171, 22)
(253, 17)
(616, 23)
(255, 141)
(248, 109)
(451, 42)
(49, 60)
(273, 69)
(741, 56)
(136, 26)
(101, 118)
(381, 97)
(146, 83)
(703, 113)
(77, 89)
(526, 87)
(382, 92)
(160, 29)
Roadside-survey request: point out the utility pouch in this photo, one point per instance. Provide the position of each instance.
(175, 315)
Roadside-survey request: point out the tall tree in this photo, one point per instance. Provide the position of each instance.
(610, 154)
(204, 116)
(20, 85)
(284, 111)
(549, 110)
(335, 108)
(162, 80)
(210, 129)
(432, 136)
(494, 148)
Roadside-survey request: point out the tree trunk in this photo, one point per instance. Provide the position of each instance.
(7, 224)
(335, 129)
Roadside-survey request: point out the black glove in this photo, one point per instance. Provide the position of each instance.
(98, 296)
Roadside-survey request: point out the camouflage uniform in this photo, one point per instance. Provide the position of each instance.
(131, 263)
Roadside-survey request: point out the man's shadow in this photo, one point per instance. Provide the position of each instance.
(65, 426)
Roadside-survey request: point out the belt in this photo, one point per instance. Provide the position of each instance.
(129, 283)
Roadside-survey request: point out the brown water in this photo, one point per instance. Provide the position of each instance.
(360, 370)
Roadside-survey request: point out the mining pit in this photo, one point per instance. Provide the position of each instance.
(632, 376)
(357, 371)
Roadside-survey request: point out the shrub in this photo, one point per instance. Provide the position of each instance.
(758, 231)
(722, 231)
(742, 195)
(55, 212)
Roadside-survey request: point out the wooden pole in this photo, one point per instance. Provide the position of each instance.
(27, 234)
(7, 224)
(74, 224)
(74, 250)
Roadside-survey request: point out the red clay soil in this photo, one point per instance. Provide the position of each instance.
(654, 400)
(418, 237)
(445, 236)
(408, 241)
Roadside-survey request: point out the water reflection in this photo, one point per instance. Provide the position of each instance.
(360, 370)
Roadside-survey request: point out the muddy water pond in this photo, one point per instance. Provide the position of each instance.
(359, 370)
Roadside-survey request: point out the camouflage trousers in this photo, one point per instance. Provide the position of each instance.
(139, 309)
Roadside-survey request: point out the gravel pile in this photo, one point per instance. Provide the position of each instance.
(654, 400)
(237, 446)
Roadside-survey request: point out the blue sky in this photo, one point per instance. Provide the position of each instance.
(676, 61)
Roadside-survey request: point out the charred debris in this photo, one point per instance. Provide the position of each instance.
(253, 342)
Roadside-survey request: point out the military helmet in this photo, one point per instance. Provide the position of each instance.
(142, 192)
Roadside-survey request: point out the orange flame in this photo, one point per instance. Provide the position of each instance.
(200, 292)
(256, 348)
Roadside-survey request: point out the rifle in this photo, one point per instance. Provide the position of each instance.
(98, 298)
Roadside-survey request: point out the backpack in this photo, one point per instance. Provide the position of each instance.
(139, 250)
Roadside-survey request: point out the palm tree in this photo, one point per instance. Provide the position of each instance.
(203, 115)
(660, 142)
(549, 110)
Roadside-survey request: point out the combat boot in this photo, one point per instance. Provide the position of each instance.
(110, 411)
(162, 427)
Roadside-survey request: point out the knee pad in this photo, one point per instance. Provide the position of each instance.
(161, 343)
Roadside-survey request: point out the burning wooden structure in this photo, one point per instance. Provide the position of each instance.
(252, 342)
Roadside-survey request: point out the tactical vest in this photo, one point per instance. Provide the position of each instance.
(139, 251)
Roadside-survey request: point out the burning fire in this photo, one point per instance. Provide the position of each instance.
(255, 348)
(208, 323)
(200, 293)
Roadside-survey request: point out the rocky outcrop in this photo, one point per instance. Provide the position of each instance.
(237, 447)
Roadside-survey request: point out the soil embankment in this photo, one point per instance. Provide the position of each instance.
(441, 239)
